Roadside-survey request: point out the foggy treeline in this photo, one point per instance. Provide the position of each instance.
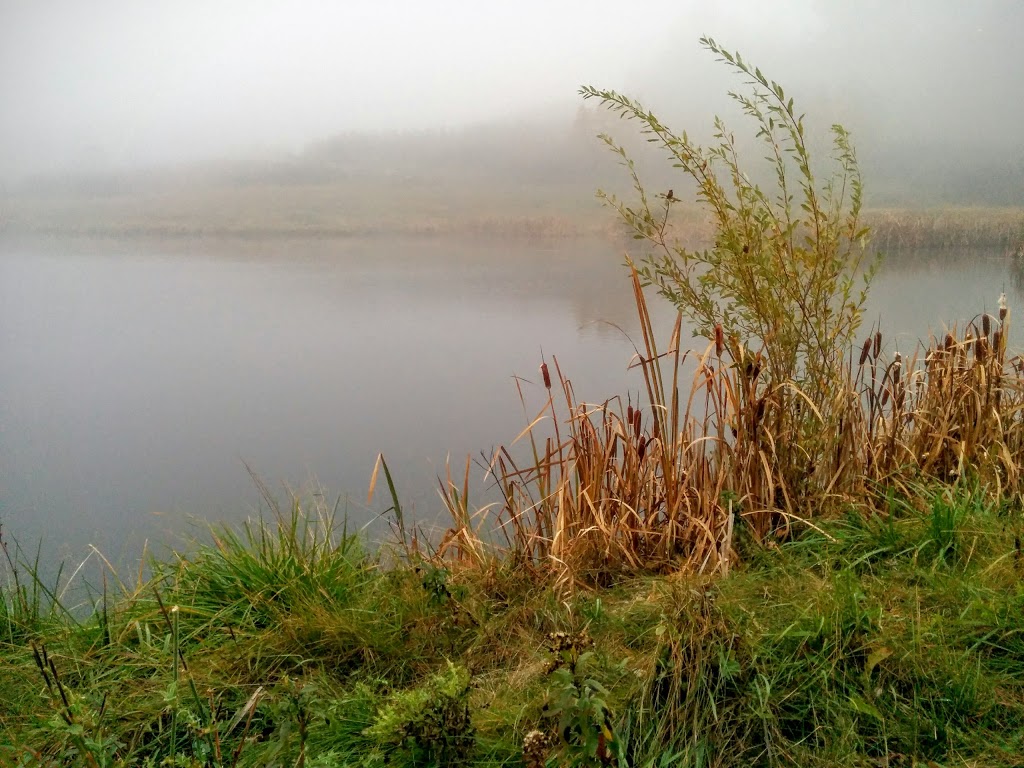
(556, 152)
(122, 99)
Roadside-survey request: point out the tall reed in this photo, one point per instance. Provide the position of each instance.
(589, 491)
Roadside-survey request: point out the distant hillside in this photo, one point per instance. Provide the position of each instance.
(556, 152)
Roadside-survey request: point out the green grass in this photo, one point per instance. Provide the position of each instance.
(892, 640)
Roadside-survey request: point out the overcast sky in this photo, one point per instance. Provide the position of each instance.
(90, 84)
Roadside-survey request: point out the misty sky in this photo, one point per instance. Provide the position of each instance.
(103, 84)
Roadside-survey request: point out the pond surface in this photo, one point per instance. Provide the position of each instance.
(139, 379)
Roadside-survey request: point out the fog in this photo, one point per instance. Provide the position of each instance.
(930, 89)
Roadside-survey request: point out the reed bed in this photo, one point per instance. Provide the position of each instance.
(993, 228)
(667, 482)
(378, 208)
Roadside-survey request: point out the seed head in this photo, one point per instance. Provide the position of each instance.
(865, 351)
(719, 340)
(546, 376)
(536, 746)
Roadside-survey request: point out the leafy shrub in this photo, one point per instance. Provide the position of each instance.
(782, 272)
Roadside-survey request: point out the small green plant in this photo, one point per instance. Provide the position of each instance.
(292, 713)
(429, 725)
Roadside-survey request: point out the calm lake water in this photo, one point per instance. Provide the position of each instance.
(137, 379)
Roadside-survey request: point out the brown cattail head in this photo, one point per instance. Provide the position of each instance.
(641, 449)
(878, 345)
(636, 422)
(979, 348)
(985, 324)
(546, 376)
(629, 414)
(1002, 314)
(719, 340)
(949, 342)
(865, 351)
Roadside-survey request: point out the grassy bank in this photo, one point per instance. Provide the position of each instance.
(895, 639)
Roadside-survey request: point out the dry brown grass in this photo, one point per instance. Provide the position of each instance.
(955, 407)
(603, 490)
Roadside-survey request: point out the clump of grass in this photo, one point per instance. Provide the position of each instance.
(615, 488)
(955, 407)
(223, 656)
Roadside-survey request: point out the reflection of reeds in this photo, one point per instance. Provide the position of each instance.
(660, 484)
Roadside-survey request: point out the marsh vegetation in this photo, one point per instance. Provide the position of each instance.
(797, 546)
